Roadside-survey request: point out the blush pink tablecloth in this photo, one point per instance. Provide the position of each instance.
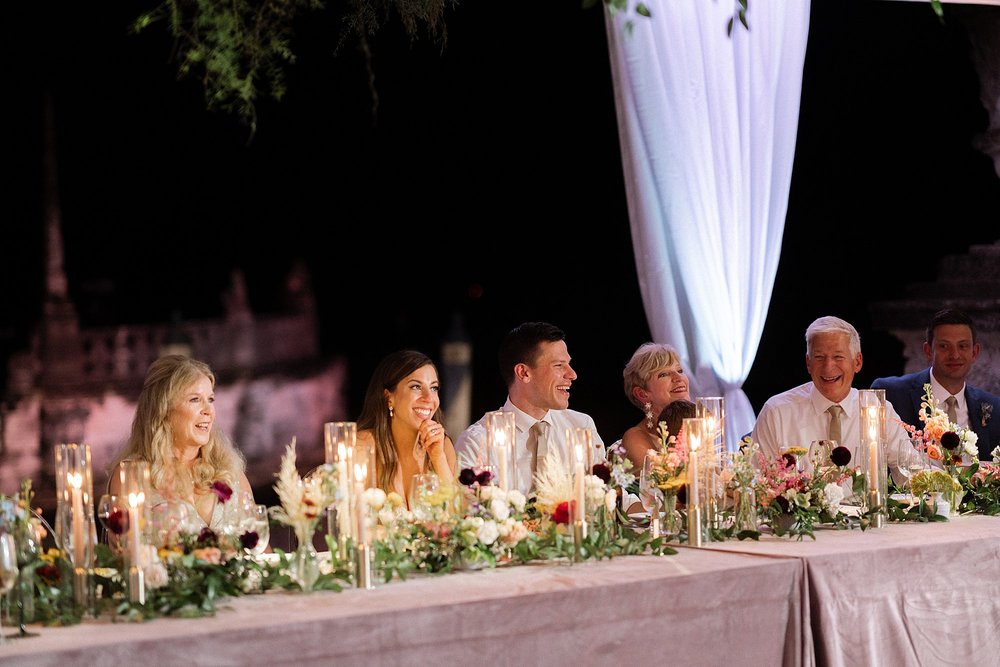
(699, 607)
(905, 594)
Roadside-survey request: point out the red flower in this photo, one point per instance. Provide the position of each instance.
(562, 511)
(249, 539)
(118, 521)
(840, 456)
(467, 477)
(222, 490)
(484, 477)
(950, 440)
(48, 573)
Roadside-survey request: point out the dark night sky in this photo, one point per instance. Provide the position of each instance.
(489, 185)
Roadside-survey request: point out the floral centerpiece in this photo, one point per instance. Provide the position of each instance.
(740, 486)
(946, 442)
(794, 501)
(668, 473)
(303, 502)
(555, 506)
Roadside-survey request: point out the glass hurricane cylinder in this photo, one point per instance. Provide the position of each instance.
(500, 434)
(135, 486)
(76, 531)
(871, 454)
(339, 442)
(695, 437)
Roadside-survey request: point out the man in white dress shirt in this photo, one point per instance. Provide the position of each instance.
(535, 365)
(797, 417)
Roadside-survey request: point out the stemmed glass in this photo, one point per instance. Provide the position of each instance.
(650, 495)
(112, 515)
(422, 489)
(25, 551)
(911, 461)
(257, 520)
(8, 569)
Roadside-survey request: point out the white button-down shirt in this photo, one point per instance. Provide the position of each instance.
(471, 443)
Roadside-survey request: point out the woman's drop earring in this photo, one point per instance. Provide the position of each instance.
(390, 412)
(648, 407)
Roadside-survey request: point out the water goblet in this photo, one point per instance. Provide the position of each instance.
(257, 521)
(8, 570)
(422, 490)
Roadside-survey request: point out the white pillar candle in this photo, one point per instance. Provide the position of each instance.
(580, 456)
(134, 553)
(75, 481)
(360, 476)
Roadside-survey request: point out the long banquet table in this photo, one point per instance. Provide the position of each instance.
(698, 607)
(903, 594)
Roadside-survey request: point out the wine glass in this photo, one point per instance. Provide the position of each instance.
(911, 461)
(112, 515)
(170, 520)
(423, 487)
(257, 521)
(650, 494)
(8, 569)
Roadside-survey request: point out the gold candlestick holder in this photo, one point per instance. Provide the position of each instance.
(363, 567)
(579, 532)
(136, 585)
(694, 525)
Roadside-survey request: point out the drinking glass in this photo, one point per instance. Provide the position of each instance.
(422, 490)
(911, 461)
(650, 495)
(257, 520)
(113, 514)
(170, 520)
(8, 569)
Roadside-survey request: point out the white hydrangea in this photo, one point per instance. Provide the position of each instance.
(594, 490)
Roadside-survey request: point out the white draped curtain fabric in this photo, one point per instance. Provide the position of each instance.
(707, 123)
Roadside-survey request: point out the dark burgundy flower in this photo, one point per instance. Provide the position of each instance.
(840, 456)
(249, 539)
(118, 521)
(789, 460)
(950, 440)
(603, 471)
(782, 503)
(561, 513)
(467, 476)
(48, 573)
(682, 494)
(484, 477)
(221, 490)
(207, 537)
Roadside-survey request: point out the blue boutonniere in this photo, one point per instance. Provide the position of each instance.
(987, 409)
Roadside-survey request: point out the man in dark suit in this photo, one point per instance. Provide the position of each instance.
(951, 348)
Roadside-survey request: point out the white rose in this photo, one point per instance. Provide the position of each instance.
(488, 532)
(832, 495)
(517, 499)
(486, 493)
(499, 509)
(155, 574)
(611, 500)
(374, 498)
